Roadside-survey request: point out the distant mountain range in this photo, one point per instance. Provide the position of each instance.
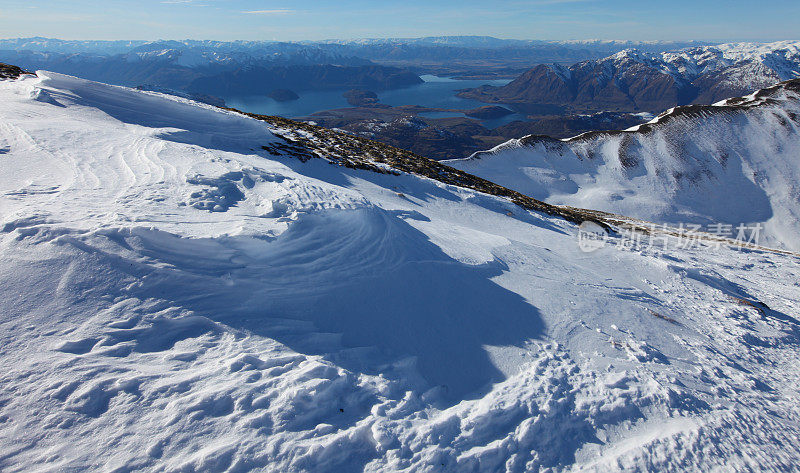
(379, 48)
(177, 64)
(171, 64)
(185, 52)
(486, 52)
(635, 80)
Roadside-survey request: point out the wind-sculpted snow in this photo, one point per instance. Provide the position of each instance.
(737, 162)
(176, 297)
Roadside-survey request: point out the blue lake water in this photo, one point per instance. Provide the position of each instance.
(435, 92)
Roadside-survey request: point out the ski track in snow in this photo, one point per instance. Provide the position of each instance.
(176, 300)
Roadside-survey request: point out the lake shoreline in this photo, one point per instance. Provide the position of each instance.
(435, 97)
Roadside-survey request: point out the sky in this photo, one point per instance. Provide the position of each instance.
(292, 20)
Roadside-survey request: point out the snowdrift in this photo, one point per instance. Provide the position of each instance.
(177, 297)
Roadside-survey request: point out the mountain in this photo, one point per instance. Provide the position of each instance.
(190, 288)
(732, 162)
(262, 80)
(185, 52)
(54, 45)
(173, 64)
(483, 56)
(633, 80)
(386, 48)
(215, 75)
(176, 64)
(597, 48)
(195, 52)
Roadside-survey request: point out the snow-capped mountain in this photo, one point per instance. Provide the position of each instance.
(187, 288)
(633, 80)
(734, 162)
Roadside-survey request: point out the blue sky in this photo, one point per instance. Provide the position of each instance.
(323, 19)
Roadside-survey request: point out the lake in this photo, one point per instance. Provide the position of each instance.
(434, 92)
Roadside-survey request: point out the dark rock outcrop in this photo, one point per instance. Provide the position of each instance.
(8, 71)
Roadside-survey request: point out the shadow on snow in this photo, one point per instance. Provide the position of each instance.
(361, 287)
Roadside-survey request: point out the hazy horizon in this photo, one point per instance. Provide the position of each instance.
(247, 20)
(410, 38)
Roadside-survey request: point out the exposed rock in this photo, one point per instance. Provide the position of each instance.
(7, 71)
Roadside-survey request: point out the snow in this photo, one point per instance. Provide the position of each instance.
(176, 299)
(743, 65)
(730, 166)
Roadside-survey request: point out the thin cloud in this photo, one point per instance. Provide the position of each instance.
(184, 2)
(268, 12)
(557, 2)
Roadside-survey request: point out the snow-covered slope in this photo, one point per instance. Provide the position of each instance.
(180, 292)
(737, 162)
